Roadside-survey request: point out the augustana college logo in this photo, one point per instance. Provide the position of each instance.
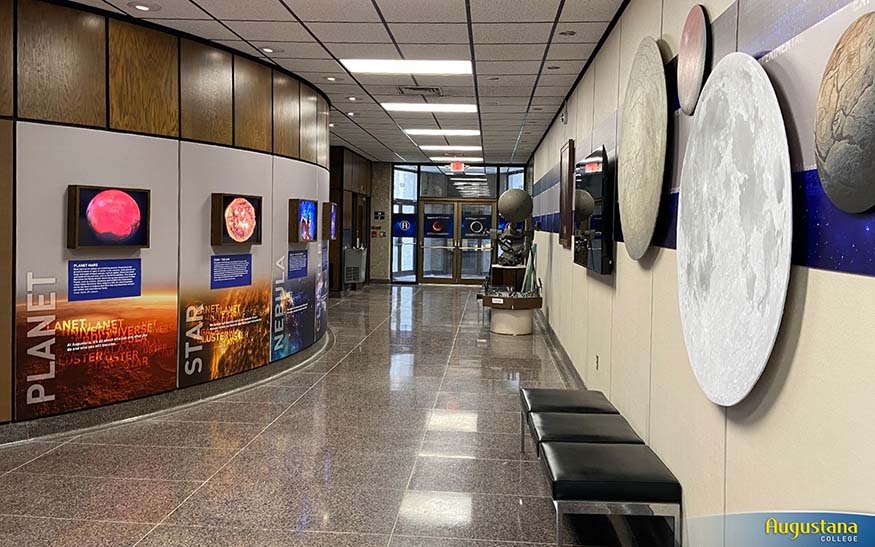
(823, 530)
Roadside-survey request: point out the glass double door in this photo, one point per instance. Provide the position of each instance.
(454, 240)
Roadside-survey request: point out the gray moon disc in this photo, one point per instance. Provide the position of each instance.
(734, 229)
(844, 128)
(641, 157)
(692, 56)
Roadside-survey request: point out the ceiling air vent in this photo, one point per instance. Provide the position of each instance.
(419, 90)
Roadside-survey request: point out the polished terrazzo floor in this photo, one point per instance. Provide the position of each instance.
(404, 434)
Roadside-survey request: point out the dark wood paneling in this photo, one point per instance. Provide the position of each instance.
(252, 105)
(6, 61)
(322, 144)
(309, 124)
(61, 64)
(143, 80)
(6, 295)
(207, 93)
(286, 115)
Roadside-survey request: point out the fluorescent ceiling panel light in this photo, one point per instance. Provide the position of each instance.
(451, 159)
(444, 132)
(468, 180)
(445, 148)
(429, 107)
(403, 66)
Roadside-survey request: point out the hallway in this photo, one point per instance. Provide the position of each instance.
(403, 433)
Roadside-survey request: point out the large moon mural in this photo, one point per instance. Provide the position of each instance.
(641, 158)
(734, 229)
(692, 57)
(113, 216)
(844, 132)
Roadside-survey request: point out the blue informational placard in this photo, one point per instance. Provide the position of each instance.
(404, 225)
(297, 266)
(437, 226)
(102, 279)
(228, 271)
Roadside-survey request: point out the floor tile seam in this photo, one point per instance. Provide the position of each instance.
(74, 519)
(434, 405)
(499, 541)
(196, 490)
(107, 477)
(28, 462)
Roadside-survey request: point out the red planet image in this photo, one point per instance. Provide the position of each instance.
(240, 219)
(113, 216)
(437, 226)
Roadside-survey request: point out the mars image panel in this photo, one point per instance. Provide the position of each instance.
(692, 58)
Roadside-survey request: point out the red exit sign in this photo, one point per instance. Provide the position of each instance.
(457, 167)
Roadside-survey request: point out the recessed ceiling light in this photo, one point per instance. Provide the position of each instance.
(331, 78)
(537, 108)
(467, 180)
(429, 107)
(444, 132)
(267, 50)
(494, 78)
(455, 158)
(553, 67)
(568, 33)
(350, 113)
(143, 6)
(331, 125)
(402, 66)
(444, 148)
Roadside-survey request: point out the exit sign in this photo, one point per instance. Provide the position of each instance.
(457, 167)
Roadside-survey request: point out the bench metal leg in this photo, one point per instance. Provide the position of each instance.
(667, 510)
(558, 524)
(522, 431)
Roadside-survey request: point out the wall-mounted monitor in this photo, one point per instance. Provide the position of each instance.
(302, 220)
(235, 220)
(102, 216)
(329, 221)
(595, 203)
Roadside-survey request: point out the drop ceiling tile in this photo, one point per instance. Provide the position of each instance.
(569, 51)
(504, 91)
(460, 80)
(385, 90)
(361, 11)
(170, 9)
(368, 80)
(430, 33)
(293, 50)
(99, 4)
(563, 67)
(499, 109)
(458, 91)
(507, 67)
(450, 11)
(454, 52)
(512, 33)
(270, 31)
(241, 46)
(516, 80)
(566, 80)
(320, 78)
(551, 91)
(589, 10)
(339, 90)
(583, 32)
(509, 52)
(250, 10)
(495, 11)
(309, 65)
(363, 51)
(504, 101)
(211, 30)
(350, 32)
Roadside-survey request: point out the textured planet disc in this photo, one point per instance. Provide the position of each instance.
(734, 229)
(692, 56)
(643, 135)
(844, 129)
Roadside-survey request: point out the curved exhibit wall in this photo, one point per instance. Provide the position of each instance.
(150, 174)
(794, 443)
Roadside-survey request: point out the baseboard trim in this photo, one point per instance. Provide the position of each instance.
(560, 356)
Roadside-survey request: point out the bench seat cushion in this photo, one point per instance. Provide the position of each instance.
(582, 428)
(609, 472)
(566, 400)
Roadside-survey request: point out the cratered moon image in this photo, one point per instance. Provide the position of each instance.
(113, 216)
(643, 136)
(692, 57)
(844, 129)
(240, 220)
(734, 229)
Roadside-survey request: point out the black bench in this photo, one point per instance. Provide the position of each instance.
(580, 428)
(610, 479)
(569, 401)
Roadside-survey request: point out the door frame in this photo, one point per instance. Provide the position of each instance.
(456, 243)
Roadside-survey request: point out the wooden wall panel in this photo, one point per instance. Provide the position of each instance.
(6, 296)
(6, 60)
(61, 64)
(143, 80)
(207, 93)
(309, 124)
(322, 150)
(253, 110)
(286, 115)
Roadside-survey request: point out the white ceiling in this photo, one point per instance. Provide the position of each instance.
(524, 66)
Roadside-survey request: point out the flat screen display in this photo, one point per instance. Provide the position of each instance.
(302, 220)
(236, 220)
(101, 216)
(329, 221)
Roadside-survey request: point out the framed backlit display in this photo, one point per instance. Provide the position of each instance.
(101, 216)
(303, 220)
(329, 221)
(235, 220)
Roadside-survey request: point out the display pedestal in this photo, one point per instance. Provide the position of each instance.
(512, 315)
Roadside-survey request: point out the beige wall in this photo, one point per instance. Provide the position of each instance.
(803, 439)
(381, 200)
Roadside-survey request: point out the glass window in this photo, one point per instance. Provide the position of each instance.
(476, 182)
(511, 177)
(404, 197)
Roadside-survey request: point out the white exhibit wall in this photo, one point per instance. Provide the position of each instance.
(801, 440)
